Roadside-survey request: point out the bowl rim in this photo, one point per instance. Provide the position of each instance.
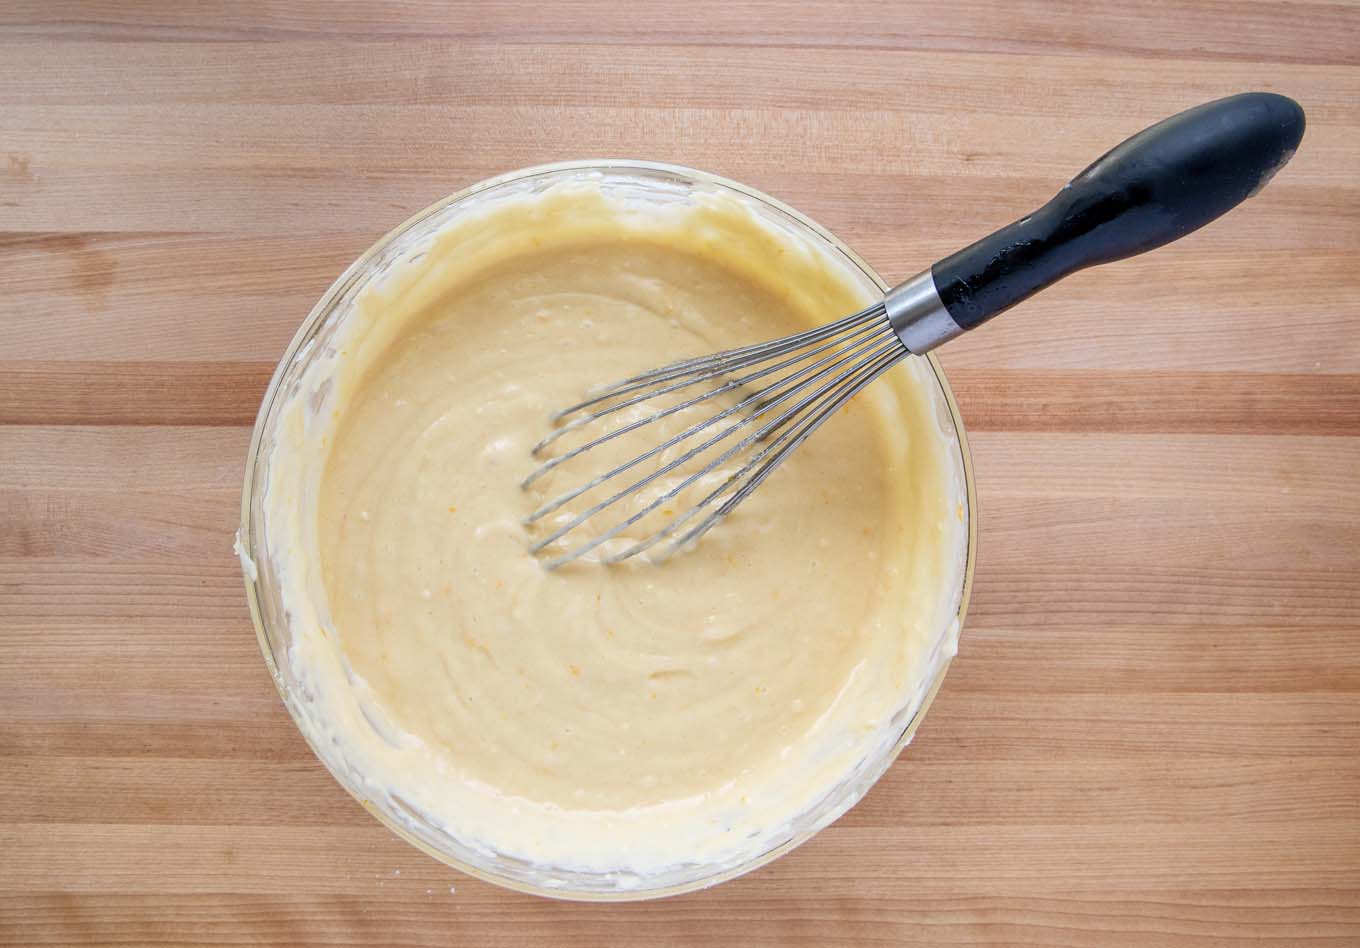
(246, 539)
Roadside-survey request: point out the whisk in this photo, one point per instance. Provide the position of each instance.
(767, 399)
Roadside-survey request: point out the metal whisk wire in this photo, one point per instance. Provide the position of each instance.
(1182, 173)
(829, 365)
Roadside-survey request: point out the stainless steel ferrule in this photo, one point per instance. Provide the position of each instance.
(918, 315)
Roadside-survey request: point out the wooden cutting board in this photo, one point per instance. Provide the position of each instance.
(1151, 736)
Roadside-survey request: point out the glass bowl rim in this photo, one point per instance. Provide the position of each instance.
(246, 539)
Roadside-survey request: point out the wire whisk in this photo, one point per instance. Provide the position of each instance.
(721, 424)
(822, 369)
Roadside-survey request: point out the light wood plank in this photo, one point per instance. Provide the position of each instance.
(412, 915)
(429, 71)
(1317, 31)
(303, 139)
(937, 861)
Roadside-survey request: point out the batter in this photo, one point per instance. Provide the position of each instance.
(612, 719)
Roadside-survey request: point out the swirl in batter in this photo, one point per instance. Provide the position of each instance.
(626, 718)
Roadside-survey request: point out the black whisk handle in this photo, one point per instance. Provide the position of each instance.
(1161, 184)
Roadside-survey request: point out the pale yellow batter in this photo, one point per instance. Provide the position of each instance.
(625, 718)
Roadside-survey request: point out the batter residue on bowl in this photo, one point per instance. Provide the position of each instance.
(611, 719)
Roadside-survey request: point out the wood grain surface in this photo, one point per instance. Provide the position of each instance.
(1151, 736)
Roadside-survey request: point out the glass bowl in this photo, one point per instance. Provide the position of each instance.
(631, 180)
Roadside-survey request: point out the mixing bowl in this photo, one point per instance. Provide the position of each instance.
(630, 181)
